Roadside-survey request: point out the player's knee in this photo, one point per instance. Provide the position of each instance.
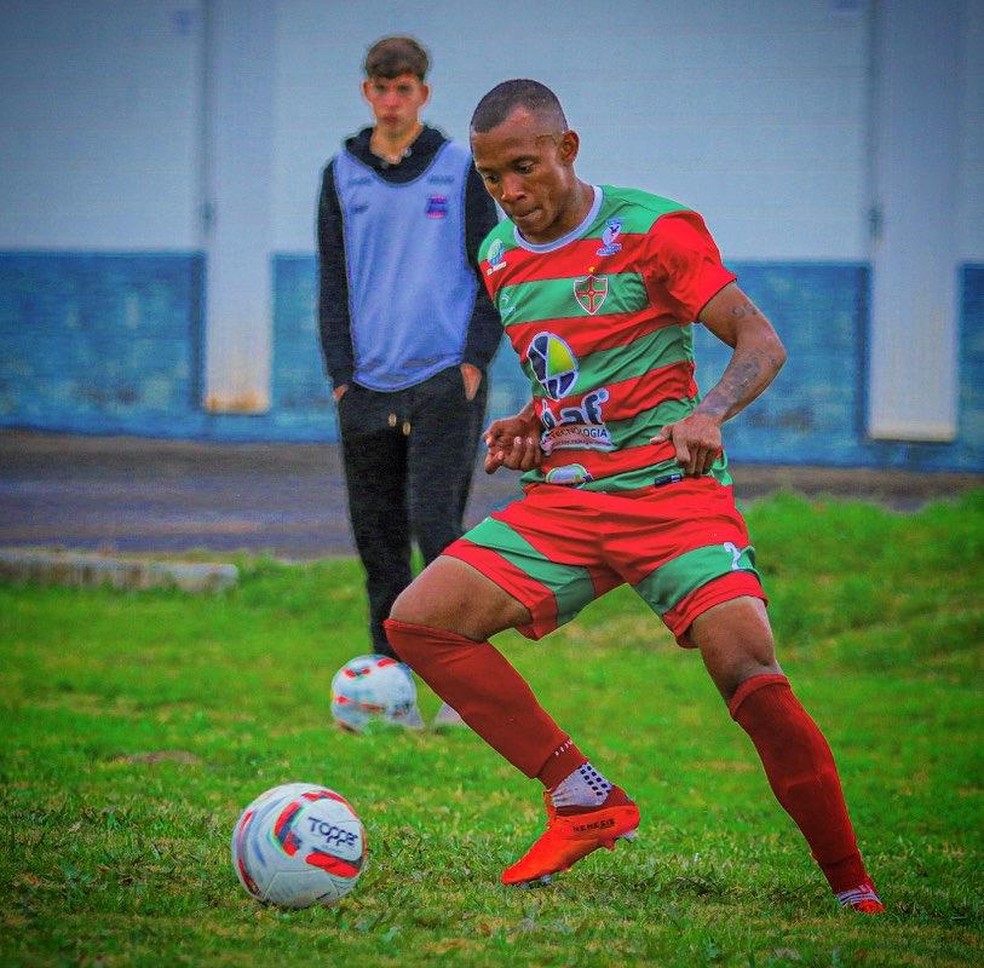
(410, 607)
(450, 594)
(736, 643)
(729, 681)
(432, 598)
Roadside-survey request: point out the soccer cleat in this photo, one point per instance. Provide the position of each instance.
(570, 836)
(864, 899)
(447, 716)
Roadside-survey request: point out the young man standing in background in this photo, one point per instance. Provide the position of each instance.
(407, 330)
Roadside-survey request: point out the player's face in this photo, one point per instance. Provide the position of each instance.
(396, 101)
(528, 168)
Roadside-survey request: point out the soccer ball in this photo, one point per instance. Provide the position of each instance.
(374, 687)
(298, 844)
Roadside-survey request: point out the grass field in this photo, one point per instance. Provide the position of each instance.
(137, 726)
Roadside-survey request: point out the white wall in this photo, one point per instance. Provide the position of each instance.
(237, 177)
(753, 112)
(99, 124)
(970, 219)
(913, 350)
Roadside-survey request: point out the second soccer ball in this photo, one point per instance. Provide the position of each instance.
(374, 688)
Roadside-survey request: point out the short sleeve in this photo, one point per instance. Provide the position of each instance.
(687, 261)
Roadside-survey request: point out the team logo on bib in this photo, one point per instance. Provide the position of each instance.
(591, 292)
(437, 206)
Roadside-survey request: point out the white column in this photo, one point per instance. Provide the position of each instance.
(237, 190)
(917, 86)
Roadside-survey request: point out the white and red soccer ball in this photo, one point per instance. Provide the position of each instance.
(299, 844)
(374, 687)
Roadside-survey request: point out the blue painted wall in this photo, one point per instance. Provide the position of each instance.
(112, 344)
(94, 343)
(815, 411)
(300, 386)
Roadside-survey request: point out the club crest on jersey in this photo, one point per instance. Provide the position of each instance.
(591, 292)
(437, 206)
(609, 237)
(496, 257)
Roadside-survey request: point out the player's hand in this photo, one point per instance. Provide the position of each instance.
(517, 454)
(471, 376)
(513, 442)
(339, 392)
(697, 439)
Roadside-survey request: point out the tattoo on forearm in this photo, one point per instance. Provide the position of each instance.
(745, 377)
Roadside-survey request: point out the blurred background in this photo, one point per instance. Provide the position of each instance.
(160, 162)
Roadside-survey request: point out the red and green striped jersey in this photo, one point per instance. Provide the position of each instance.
(602, 323)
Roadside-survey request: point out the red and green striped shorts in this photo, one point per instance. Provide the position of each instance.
(683, 547)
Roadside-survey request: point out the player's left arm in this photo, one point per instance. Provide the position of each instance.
(758, 356)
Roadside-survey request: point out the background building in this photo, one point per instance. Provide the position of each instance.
(160, 162)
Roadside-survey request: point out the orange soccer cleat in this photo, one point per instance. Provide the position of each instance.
(570, 836)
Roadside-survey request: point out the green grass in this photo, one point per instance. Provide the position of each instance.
(137, 726)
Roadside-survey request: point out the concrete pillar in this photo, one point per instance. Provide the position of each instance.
(237, 192)
(917, 75)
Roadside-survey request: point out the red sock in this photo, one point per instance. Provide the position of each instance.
(490, 695)
(802, 773)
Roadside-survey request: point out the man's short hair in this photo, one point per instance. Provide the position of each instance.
(394, 56)
(504, 98)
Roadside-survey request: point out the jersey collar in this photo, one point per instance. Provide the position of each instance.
(574, 233)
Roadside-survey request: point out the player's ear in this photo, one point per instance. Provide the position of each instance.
(567, 147)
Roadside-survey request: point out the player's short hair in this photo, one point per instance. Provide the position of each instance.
(504, 98)
(394, 56)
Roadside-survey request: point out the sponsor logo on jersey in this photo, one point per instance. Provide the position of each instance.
(437, 206)
(591, 292)
(579, 426)
(496, 257)
(504, 303)
(577, 436)
(440, 180)
(609, 237)
(570, 475)
(553, 363)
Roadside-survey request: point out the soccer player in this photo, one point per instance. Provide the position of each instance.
(626, 481)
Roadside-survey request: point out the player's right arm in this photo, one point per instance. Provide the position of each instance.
(758, 352)
(757, 358)
(514, 442)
